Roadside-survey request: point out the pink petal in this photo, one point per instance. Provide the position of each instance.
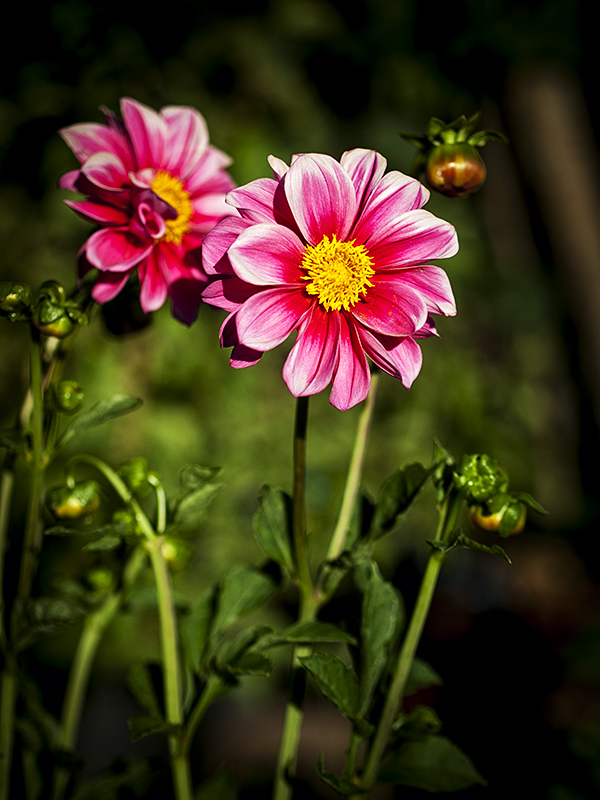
(216, 244)
(186, 139)
(228, 293)
(401, 358)
(391, 307)
(321, 197)
(106, 171)
(310, 364)
(208, 210)
(153, 283)
(108, 285)
(366, 168)
(69, 179)
(89, 138)
(278, 166)
(98, 213)
(267, 255)
(352, 377)
(433, 285)
(412, 238)
(267, 318)
(116, 249)
(208, 173)
(242, 356)
(255, 200)
(148, 133)
(394, 195)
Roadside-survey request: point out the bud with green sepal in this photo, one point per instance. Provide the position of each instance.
(75, 502)
(67, 397)
(15, 301)
(504, 514)
(137, 476)
(54, 314)
(448, 155)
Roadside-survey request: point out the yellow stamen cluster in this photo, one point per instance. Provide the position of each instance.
(338, 272)
(172, 192)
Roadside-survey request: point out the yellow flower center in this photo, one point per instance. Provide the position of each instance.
(338, 272)
(172, 192)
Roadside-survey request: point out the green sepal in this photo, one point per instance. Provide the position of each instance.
(471, 544)
(139, 682)
(335, 679)
(98, 414)
(382, 618)
(340, 785)
(421, 676)
(434, 764)
(311, 632)
(272, 526)
(397, 495)
(482, 137)
(525, 497)
(144, 725)
(244, 589)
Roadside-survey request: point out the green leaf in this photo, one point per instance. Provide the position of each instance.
(141, 687)
(335, 679)
(340, 785)
(434, 764)
(103, 545)
(421, 676)
(195, 630)
(233, 649)
(396, 497)
(471, 544)
(44, 616)
(145, 725)
(195, 477)
(382, 615)
(271, 525)
(252, 662)
(191, 510)
(219, 787)
(14, 440)
(525, 497)
(419, 724)
(98, 414)
(244, 589)
(311, 633)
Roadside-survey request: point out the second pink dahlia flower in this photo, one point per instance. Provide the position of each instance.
(334, 251)
(155, 187)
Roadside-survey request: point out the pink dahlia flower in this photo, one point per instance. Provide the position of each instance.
(155, 187)
(334, 251)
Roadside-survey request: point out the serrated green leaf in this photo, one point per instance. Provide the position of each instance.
(396, 497)
(252, 662)
(191, 510)
(141, 687)
(232, 649)
(244, 589)
(311, 633)
(44, 616)
(144, 725)
(434, 764)
(271, 525)
(335, 679)
(98, 414)
(340, 785)
(381, 617)
(195, 630)
(103, 545)
(471, 544)
(421, 676)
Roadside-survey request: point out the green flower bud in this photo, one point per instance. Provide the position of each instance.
(15, 300)
(101, 580)
(506, 521)
(135, 474)
(76, 503)
(53, 314)
(176, 552)
(455, 170)
(67, 397)
(481, 476)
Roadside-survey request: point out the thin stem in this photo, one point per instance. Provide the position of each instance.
(161, 503)
(213, 689)
(354, 473)
(30, 542)
(299, 500)
(7, 482)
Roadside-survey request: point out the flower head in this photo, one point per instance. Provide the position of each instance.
(155, 187)
(334, 251)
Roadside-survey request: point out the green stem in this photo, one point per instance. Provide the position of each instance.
(354, 473)
(38, 467)
(8, 700)
(92, 632)
(7, 482)
(290, 736)
(446, 524)
(215, 686)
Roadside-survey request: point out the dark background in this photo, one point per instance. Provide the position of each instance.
(516, 374)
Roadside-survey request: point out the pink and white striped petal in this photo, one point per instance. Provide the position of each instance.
(228, 293)
(267, 318)
(218, 241)
(394, 195)
(433, 285)
(352, 377)
(148, 131)
(186, 139)
(401, 358)
(321, 197)
(267, 255)
(366, 169)
(116, 249)
(89, 138)
(310, 364)
(98, 213)
(106, 171)
(108, 285)
(391, 307)
(412, 238)
(153, 283)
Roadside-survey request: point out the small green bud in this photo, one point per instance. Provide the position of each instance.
(508, 520)
(125, 519)
(15, 300)
(76, 503)
(101, 580)
(454, 170)
(67, 397)
(135, 474)
(53, 314)
(176, 552)
(481, 476)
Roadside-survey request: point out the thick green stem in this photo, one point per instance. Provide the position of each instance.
(354, 473)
